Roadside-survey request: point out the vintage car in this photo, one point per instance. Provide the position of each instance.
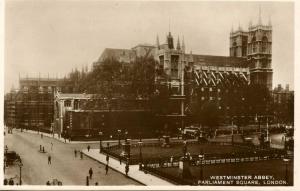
(10, 157)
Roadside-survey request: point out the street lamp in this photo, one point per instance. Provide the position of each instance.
(184, 149)
(286, 162)
(201, 157)
(126, 133)
(119, 138)
(20, 166)
(4, 165)
(140, 143)
(100, 137)
(6, 149)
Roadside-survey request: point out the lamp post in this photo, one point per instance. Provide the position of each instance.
(126, 133)
(201, 157)
(184, 149)
(6, 149)
(20, 166)
(140, 143)
(286, 162)
(4, 165)
(119, 138)
(100, 137)
(232, 136)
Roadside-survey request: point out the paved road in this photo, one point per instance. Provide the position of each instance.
(65, 167)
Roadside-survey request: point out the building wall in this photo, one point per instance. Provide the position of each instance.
(34, 105)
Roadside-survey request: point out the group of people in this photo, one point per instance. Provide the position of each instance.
(9, 182)
(80, 153)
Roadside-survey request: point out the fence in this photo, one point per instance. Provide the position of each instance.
(253, 154)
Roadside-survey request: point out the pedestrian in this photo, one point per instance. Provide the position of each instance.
(171, 160)
(87, 180)
(41, 135)
(81, 155)
(49, 159)
(126, 169)
(106, 169)
(120, 160)
(11, 182)
(48, 183)
(75, 153)
(91, 173)
(51, 146)
(107, 159)
(96, 183)
(5, 181)
(88, 148)
(43, 149)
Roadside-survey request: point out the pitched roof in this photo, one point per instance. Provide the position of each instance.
(220, 61)
(74, 96)
(123, 55)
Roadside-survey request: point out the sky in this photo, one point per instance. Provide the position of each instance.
(51, 37)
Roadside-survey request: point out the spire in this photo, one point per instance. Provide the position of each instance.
(178, 44)
(157, 41)
(250, 23)
(169, 25)
(231, 28)
(240, 28)
(270, 22)
(170, 41)
(259, 16)
(182, 44)
(191, 57)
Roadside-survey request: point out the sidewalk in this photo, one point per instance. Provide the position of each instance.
(55, 136)
(134, 172)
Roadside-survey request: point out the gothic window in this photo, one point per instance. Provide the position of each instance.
(264, 43)
(174, 65)
(161, 60)
(254, 44)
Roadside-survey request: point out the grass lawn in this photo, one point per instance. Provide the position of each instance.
(275, 168)
(177, 150)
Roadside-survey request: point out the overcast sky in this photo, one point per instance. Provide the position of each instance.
(55, 36)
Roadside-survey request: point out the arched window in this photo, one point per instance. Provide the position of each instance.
(254, 44)
(264, 43)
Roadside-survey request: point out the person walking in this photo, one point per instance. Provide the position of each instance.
(51, 146)
(81, 155)
(126, 169)
(87, 181)
(91, 173)
(107, 159)
(171, 160)
(106, 169)
(75, 153)
(88, 148)
(49, 159)
(11, 182)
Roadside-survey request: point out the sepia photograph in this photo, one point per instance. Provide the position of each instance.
(141, 94)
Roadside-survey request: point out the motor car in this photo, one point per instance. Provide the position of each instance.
(11, 157)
